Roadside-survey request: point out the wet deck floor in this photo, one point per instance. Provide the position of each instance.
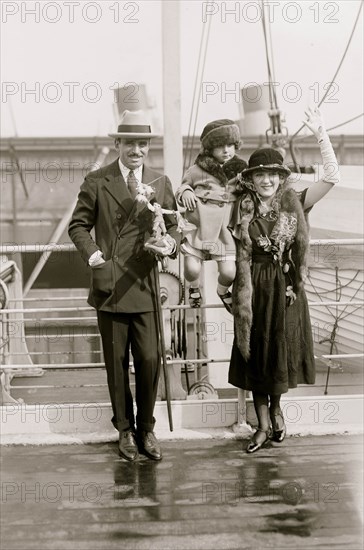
(305, 493)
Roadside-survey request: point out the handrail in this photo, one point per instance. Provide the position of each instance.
(84, 316)
(169, 362)
(165, 307)
(70, 247)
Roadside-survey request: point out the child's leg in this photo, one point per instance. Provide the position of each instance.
(192, 270)
(192, 266)
(227, 270)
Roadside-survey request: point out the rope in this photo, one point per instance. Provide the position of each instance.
(329, 87)
(195, 99)
(338, 316)
(200, 89)
(272, 93)
(339, 67)
(14, 156)
(333, 127)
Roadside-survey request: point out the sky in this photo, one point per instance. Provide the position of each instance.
(60, 62)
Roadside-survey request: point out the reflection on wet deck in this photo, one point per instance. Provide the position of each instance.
(305, 493)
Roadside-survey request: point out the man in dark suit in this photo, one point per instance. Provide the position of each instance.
(123, 286)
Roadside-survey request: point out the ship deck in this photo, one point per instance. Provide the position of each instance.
(206, 494)
(89, 385)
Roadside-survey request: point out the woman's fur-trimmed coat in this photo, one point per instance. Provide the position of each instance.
(244, 212)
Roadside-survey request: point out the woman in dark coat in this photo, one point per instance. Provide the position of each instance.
(273, 348)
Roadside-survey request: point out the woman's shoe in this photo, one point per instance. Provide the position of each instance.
(278, 426)
(255, 445)
(194, 297)
(227, 300)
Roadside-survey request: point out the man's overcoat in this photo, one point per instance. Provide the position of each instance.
(125, 283)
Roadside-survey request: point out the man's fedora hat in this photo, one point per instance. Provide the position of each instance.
(134, 125)
(266, 159)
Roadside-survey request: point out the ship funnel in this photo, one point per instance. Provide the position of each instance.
(254, 109)
(134, 97)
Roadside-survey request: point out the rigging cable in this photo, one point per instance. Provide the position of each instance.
(271, 49)
(12, 152)
(193, 99)
(309, 136)
(200, 89)
(329, 87)
(188, 154)
(338, 316)
(272, 94)
(189, 144)
(278, 138)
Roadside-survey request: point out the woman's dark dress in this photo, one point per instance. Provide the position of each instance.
(281, 340)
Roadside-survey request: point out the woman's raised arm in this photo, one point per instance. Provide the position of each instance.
(330, 165)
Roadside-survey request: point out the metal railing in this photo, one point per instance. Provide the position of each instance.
(30, 328)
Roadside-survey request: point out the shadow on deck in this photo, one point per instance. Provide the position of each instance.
(304, 493)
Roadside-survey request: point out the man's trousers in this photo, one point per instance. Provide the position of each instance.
(139, 332)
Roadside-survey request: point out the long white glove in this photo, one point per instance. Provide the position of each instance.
(330, 165)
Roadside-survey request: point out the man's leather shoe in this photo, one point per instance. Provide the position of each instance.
(127, 446)
(149, 446)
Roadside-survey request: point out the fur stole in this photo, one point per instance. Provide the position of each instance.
(296, 244)
(223, 173)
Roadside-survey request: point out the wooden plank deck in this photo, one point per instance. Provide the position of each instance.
(306, 493)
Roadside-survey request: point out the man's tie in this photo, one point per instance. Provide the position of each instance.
(132, 184)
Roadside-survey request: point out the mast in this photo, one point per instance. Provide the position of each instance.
(172, 141)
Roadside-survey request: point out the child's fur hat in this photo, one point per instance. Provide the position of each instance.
(220, 132)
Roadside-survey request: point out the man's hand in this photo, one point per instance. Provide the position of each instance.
(96, 259)
(164, 246)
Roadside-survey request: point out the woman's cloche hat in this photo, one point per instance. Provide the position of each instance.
(266, 159)
(134, 125)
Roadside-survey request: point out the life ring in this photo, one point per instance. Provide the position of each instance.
(203, 390)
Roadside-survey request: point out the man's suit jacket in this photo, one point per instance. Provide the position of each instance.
(125, 282)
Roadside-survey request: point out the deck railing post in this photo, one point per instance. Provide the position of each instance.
(242, 427)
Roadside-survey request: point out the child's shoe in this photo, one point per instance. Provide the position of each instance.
(194, 297)
(227, 300)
